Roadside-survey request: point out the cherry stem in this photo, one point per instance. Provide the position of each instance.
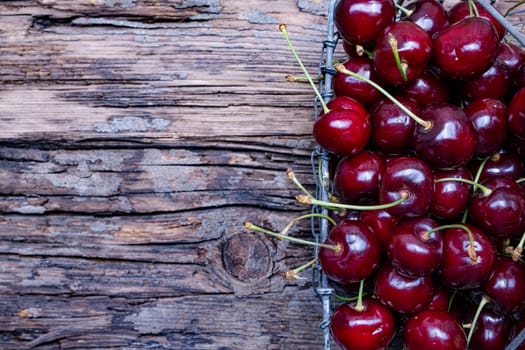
(484, 300)
(402, 67)
(284, 30)
(486, 191)
(301, 78)
(471, 250)
(473, 9)
(516, 252)
(252, 227)
(403, 9)
(518, 181)
(360, 50)
(330, 205)
(424, 123)
(476, 179)
(293, 274)
(359, 305)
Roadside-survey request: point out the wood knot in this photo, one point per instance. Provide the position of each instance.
(246, 257)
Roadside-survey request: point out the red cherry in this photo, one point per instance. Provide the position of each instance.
(465, 48)
(501, 164)
(516, 114)
(372, 327)
(506, 285)
(380, 222)
(430, 15)
(496, 82)
(510, 55)
(434, 330)
(346, 85)
(450, 198)
(426, 89)
(491, 330)
(461, 10)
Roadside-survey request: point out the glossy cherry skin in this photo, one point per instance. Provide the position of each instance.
(343, 132)
(346, 103)
(441, 298)
(510, 55)
(489, 117)
(450, 199)
(430, 15)
(359, 253)
(426, 89)
(392, 129)
(449, 142)
(357, 177)
(461, 11)
(434, 330)
(380, 222)
(414, 47)
(360, 21)
(516, 114)
(466, 48)
(404, 294)
(414, 251)
(346, 85)
(496, 82)
(506, 285)
(500, 164)
(459, 269)
(502, 212)
(491, 329)
(408, 175)
(369, 329)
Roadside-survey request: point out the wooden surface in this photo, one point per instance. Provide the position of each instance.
(137, 136)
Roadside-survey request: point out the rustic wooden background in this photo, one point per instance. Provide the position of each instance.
(136, 138)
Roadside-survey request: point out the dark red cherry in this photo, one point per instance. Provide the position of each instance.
(414, 47)
(373, 327)
(516, 114)
(510, 55)
(491, 330)
(407, 175)
(426, 89)
(449, 142)
(344, 132)
(506, 285)
(500, 164)
(357, 177)
(489, 117)
(450, 199)
(412, 249)
(466, 265)
(434, 329)
(392, 128)
(501, 213)
(346, 85)
(430, 15)
(404, 294)
(360, 21)
(441, 298)
(461, 10)
(496, 82)
(466, 48)
(380, 222)
(357, 256)
(346, 103)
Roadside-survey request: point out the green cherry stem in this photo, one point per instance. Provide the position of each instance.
(486, 191)
(403, 9)
(484, 300)
(294, 274)
(520, 180)
(283, 28)
(359, 305)
(476, 180)
(424, 123)
(401, 66)
(313, 201)
(471, 250)
(473, 9)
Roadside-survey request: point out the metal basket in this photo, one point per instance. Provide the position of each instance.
(320, 165)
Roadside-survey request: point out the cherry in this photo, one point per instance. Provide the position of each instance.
(468, 257)
(434, 329)
(392, 128)
(410, 176)
(360, 21)
(346, 103)
(506, 285)
(450, 198)
(413, 249)
(404, 294)
(462, 10)
(430, 15)
(346, 85)
(489, 117)
(362, 327)
(491, 330)
(356, 178)
(401, 52)
(516, 114)
(427, 88)
(441, 298)
(501, 164)
(465, 48)
(380, 222)
(357, 252)
(500, 208)
(496, 82)
(510, 55)
(449, 142)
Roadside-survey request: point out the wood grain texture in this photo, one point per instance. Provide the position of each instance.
(137, 137)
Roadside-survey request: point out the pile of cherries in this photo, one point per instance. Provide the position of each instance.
(426, 133)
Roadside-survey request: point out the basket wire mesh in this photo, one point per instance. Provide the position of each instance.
(320, 160)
